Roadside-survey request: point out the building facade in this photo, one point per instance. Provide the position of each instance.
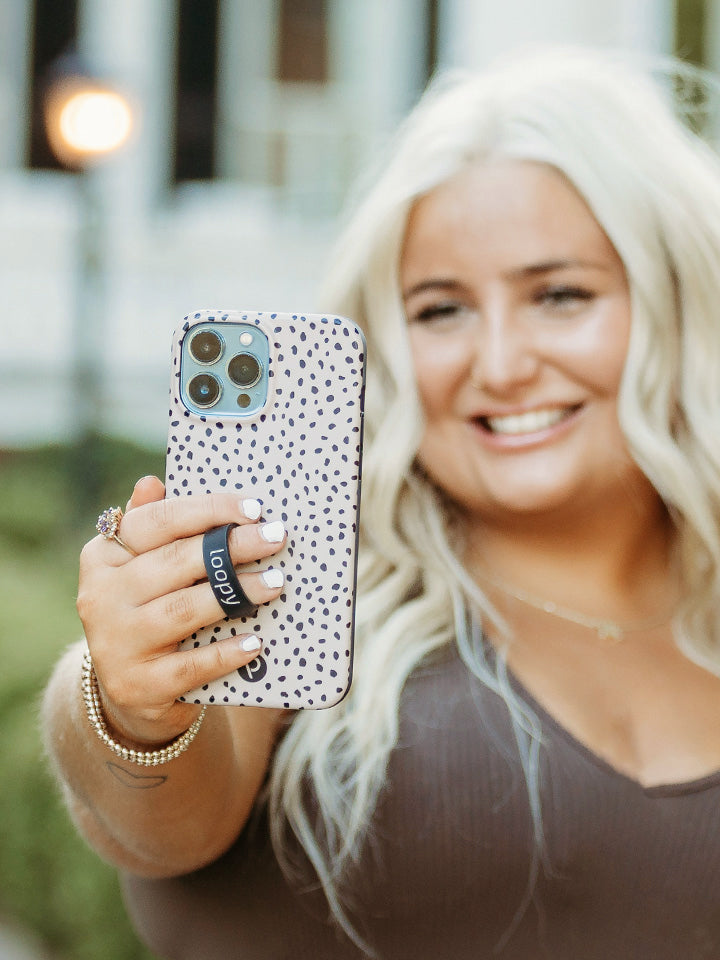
(252, 118)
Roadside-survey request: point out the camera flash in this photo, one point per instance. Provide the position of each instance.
(246, 339)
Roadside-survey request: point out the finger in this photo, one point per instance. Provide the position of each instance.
(180, 563)
(178, 615)
(159, 522)
(116, 550)
(187, 670)
(152, 697)
(146, 490)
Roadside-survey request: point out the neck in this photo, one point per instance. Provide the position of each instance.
(616, 563)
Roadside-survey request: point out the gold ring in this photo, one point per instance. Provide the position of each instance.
(108, 524)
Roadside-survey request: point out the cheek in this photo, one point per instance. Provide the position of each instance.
(596, 353)
(606, 372)
(441, 366)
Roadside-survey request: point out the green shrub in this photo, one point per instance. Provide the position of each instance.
(50, 882)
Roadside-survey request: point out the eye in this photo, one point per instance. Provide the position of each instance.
(563, 296)
(443, 310)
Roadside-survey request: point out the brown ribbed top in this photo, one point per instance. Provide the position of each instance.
(633, 872)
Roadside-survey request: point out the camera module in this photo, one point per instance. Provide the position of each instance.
(244, 370)
(204, 390)
(206, 346)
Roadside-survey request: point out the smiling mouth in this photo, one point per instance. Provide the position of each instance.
(532, 421)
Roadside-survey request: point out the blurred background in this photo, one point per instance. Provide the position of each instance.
(157, 156)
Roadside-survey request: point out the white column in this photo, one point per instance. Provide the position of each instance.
(308, 138)
(246, 52)
(131, 43)
(712, 36)
(648, 24)
(380, 48)
(474, 32)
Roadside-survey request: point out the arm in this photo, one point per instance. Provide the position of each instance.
(169, 819)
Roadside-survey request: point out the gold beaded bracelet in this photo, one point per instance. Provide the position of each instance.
(146, 758)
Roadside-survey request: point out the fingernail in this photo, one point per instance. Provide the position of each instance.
(273, 532)
(250, 644)
(273, 578)
(251, 509)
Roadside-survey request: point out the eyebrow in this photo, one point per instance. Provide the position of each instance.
(520, 273)
(547, 266)
(435, 284)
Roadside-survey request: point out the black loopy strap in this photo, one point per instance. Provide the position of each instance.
(221, 574)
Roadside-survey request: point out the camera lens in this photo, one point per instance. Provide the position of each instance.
(206, 346)
(204, 390)
(244, 370)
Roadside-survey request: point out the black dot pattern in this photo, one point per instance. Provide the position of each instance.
(300, 457)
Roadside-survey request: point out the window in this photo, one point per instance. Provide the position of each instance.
(195, 90)
(690, 29)
(691, 44)
(302, 42)
(54, 34)
(432, 29)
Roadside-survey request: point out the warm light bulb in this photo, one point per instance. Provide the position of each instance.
(93, 122)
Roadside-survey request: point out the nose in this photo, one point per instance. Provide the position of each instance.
(504, 356)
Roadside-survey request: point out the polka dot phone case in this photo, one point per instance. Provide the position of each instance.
(270, 406)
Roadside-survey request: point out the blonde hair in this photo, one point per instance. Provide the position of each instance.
(654, 186)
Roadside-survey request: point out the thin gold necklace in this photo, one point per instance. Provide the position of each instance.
(604, 627)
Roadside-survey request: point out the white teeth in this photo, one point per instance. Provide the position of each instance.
(530, 422)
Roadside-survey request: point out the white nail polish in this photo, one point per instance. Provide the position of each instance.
(273, 532)
(251, 509)
(250, 644)
(273, 578)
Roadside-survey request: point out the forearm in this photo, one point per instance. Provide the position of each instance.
(160, 820)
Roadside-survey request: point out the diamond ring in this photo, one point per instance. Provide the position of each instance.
(108, 524)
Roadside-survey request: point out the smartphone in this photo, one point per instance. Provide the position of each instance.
(270, 406)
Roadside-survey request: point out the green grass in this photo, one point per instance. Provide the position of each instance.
(50, 882)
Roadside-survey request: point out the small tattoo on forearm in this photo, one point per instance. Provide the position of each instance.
(136, 781)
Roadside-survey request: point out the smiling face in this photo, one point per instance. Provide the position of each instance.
(518, 312)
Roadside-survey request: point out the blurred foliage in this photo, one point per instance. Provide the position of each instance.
(50, 882)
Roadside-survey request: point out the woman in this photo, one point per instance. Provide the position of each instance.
(528, 762)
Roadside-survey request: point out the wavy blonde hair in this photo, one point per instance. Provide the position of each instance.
(654, 186)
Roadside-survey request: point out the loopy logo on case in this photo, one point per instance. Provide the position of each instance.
(220, 578)
(254, 671)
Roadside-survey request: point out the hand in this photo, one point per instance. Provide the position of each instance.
(136, 609)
